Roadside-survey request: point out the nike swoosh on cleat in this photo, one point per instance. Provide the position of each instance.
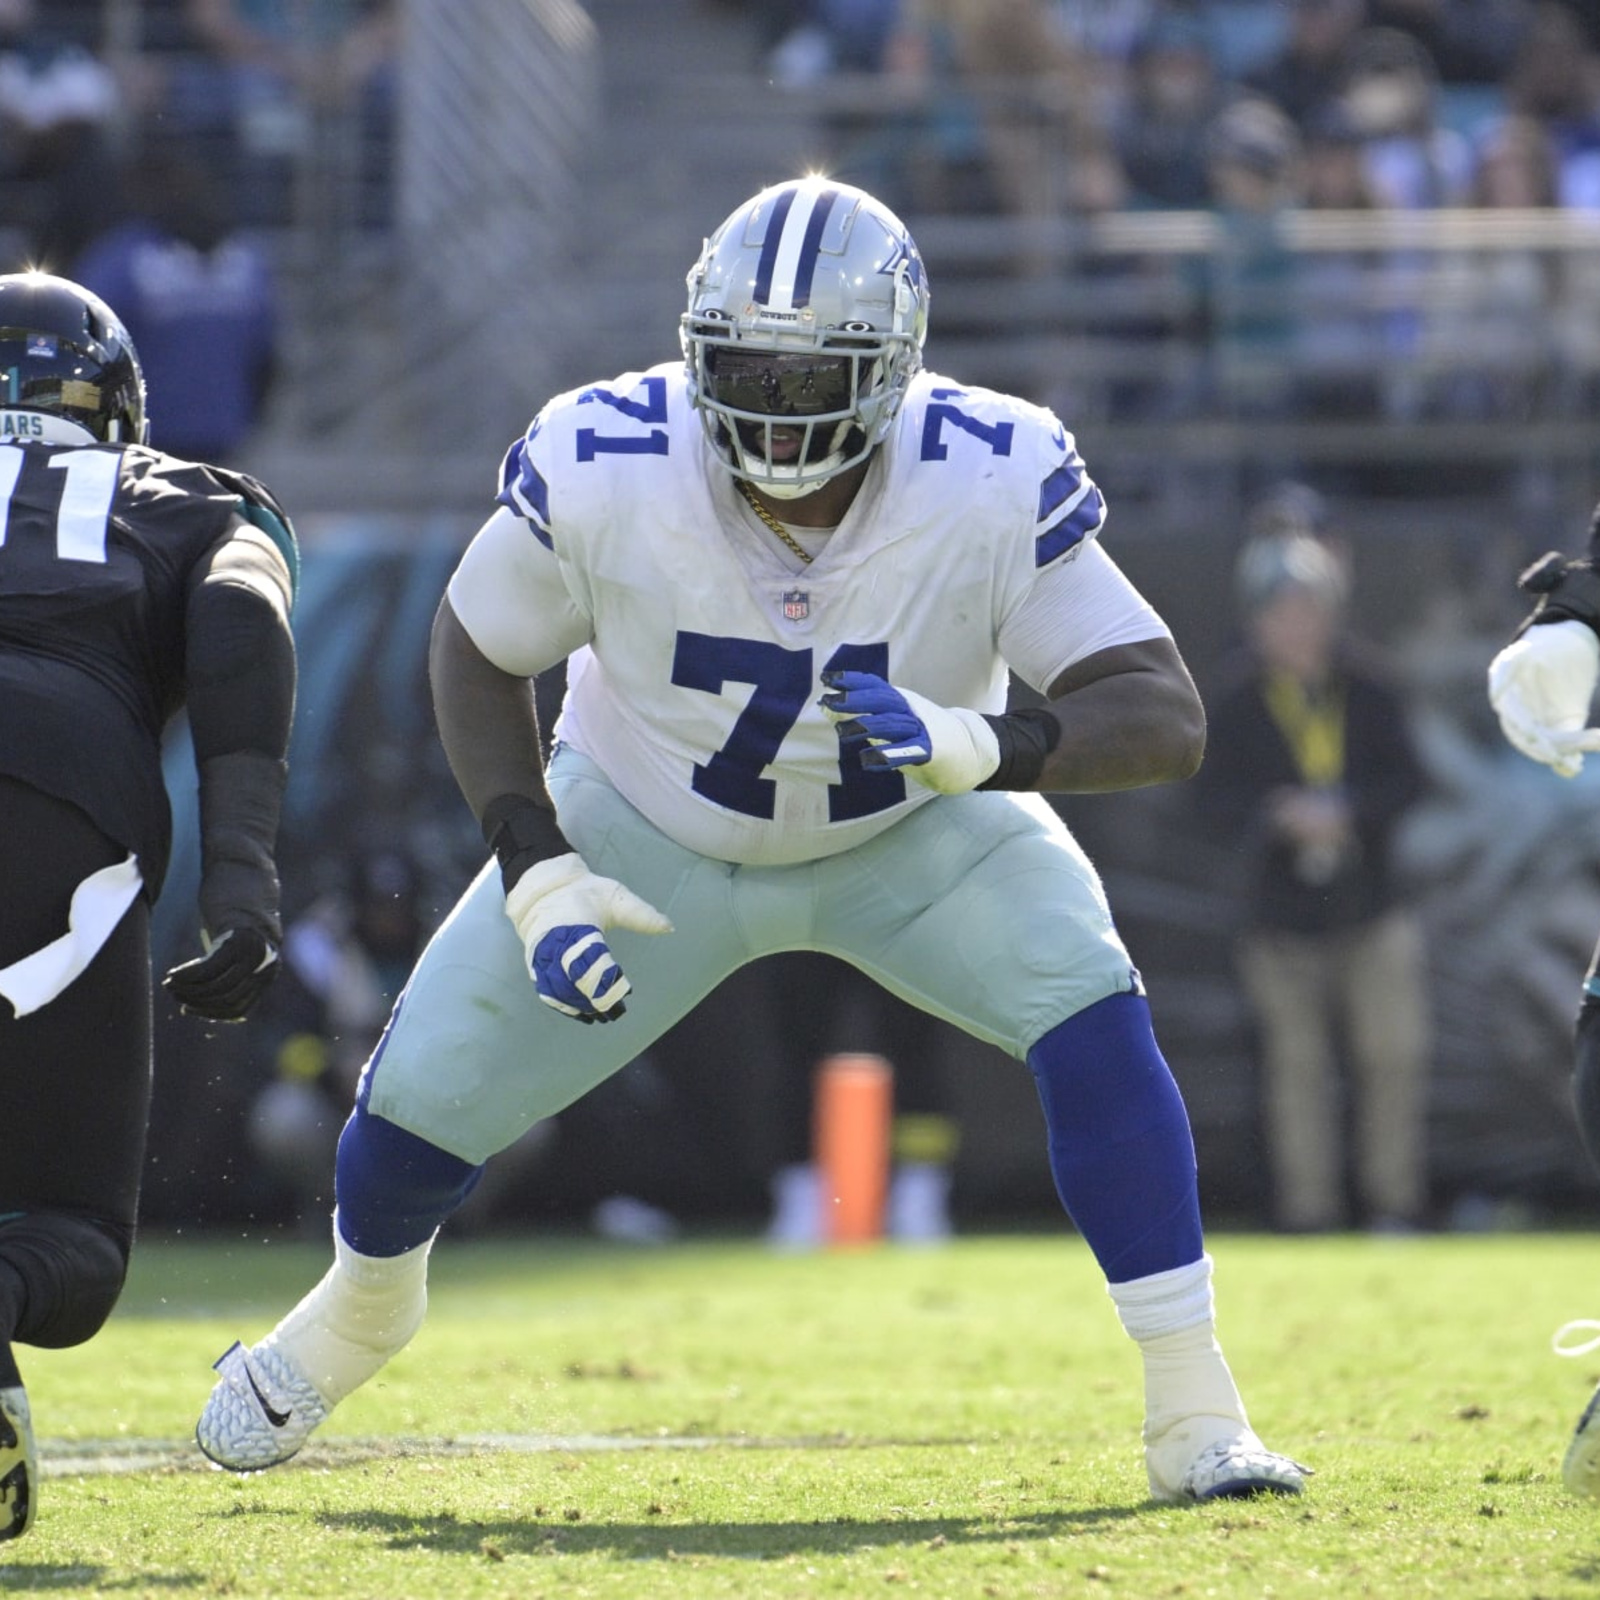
(278, 1419)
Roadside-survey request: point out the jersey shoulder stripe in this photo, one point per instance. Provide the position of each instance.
(1031, 473)
(523, 488)
(1071, 506)
(638, 417)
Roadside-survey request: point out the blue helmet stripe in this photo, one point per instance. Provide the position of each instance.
(769, 247)
(811, 247)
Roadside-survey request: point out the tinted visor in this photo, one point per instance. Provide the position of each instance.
(774, 385)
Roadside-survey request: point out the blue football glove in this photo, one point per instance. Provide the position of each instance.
(561, 910)
(947, 748)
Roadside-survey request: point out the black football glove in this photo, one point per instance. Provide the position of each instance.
(224, 983)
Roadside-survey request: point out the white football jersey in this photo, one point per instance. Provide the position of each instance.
(697, 642)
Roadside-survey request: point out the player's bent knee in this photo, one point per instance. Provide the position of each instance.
(394, 1189)
(72, 1269)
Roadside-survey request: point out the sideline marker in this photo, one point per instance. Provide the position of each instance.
(853, 1109)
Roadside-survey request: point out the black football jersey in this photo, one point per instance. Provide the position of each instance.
(98, 546)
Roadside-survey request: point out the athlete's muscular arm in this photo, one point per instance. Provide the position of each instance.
(1122, 717)
(560, 909)
(1128, 716)
(240, 671)
(486, 720)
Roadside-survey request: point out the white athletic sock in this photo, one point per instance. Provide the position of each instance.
(363, 1312)
(1190, 1398)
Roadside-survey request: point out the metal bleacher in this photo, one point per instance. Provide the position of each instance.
(557, 163)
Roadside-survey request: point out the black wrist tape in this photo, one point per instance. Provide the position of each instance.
(522, 833)
(1568, 591)
(1026, 739)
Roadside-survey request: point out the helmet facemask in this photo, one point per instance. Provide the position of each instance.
(790, 420)
(798, 377)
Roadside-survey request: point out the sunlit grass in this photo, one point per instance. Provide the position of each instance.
(711, 1419)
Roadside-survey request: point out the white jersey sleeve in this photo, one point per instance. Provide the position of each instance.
(1073, 610)
(509, 594)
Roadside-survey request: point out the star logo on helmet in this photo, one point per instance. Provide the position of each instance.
(907, 253)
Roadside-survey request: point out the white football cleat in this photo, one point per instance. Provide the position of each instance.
(1580, 1467)
(1234, 1466)
(261, 1411)
(19, 1465)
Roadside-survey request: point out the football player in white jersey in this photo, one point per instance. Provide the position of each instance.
(790, 575)
(1542, 687)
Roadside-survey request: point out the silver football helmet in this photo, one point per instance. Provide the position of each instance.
(808, 309)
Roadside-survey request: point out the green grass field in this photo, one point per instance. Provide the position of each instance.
(709, 1419)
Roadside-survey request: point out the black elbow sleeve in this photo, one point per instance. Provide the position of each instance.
(241, 672)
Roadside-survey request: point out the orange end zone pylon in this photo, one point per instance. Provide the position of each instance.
(853, 1108)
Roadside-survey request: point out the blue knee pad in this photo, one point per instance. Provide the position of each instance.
(1121, 1152)
(393, 1190)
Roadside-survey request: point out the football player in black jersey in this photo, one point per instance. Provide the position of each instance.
(132, 585)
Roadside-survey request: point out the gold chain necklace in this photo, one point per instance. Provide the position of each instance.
(771, 521)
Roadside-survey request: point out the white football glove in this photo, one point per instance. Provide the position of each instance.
(1541, 686)
(947, 748)
(561, 910)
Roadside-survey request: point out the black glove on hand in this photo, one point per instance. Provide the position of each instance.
(224, 983)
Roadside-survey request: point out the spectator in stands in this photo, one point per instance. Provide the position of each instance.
(1344, 299)
(1253, 162)
(287, 65)
(57, 106)
(198, 297)
(1504, 317)
(1106, 31)
(1309, 70)
(1309, 769)
(1003, 69)
(1470, 41)
(1514, 164)
(1556, 78)
(807, 41)
(1174, 91)
(1336, 177)
(1390, 95)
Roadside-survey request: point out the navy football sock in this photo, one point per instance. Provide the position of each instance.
(1121, 1152)
(393, 1190)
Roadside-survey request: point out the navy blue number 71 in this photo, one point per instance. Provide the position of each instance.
(783, 681)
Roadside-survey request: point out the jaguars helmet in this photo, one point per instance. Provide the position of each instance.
(65, 354)
(807, 313)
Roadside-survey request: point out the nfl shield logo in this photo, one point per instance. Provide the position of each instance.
(796, 605)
